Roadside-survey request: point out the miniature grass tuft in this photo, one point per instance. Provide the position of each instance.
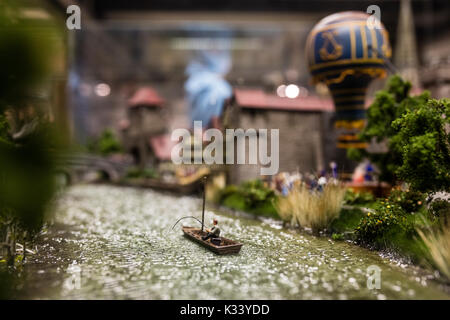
(438, 245)
(312, 209)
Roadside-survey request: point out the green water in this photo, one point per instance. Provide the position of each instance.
(116, 243)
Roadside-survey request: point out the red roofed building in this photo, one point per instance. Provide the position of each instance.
(305, 129)
(258, 99)
(146, 97)
(147, 121)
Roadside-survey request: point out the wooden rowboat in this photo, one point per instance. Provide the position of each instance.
(226, 246)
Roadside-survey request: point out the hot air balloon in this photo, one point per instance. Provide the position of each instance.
(346, 51)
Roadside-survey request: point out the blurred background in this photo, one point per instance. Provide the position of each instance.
(99, 100)
(186, 60)
(129, 44)
(150, 49)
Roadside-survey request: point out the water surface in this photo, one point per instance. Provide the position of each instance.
(116, 243)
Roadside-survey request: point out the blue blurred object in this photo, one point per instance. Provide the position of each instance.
(206, 87)
(369, 172)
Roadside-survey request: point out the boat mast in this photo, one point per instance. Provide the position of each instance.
(203, 209)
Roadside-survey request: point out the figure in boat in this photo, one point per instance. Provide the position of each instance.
(214, 232)
(210, 238)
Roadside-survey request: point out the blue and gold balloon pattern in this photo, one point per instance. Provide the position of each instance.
(346, 54)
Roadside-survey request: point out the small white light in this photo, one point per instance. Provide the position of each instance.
(281, 91)
(292, 91)
(102, 90)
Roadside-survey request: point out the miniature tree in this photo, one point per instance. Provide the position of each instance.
(424, 141)
(389, 105)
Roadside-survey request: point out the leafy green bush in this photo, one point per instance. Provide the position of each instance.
(337, 236)
(355, 198)
(5, 136)
(251, 196)
(106, 144)
(347, 221)
(409, 200)
(425, 146)
(394, 224)
(440, 209)
(27, 162)
(135, 172)
(256, 192)
(377, 226)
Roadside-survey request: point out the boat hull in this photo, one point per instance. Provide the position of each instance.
(226, 246)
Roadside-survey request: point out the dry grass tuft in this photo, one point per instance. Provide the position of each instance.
(312, 209)
(285, 207)
(438, 245)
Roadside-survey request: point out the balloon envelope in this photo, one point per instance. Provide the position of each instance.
(346, 51)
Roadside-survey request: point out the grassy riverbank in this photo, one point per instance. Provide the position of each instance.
(400, 224)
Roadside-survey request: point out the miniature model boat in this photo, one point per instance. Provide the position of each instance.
(219, 245)
(226, 246)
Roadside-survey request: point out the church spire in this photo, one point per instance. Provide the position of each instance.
(406, 59)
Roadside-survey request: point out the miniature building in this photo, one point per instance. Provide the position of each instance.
(304, 129)
(145, 127)
(435, 74)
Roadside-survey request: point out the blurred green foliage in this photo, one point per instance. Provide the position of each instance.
(23, 57)
(386, 224)
(415, 129)
(390, 227)
(5, 136)
(251, 196)
(28, 141)
(347, 221)
(135, 172)
(106, 144)
(389, 104)
(357, 198)
(377, 223)
(424, 135)
(409, 200)
(440, 209)
(26, 179)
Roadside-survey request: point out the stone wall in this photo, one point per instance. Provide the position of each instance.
(301, 139)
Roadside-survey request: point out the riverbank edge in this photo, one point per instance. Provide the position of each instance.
(394, 257)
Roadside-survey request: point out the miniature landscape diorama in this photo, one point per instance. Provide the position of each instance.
(356, 112)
